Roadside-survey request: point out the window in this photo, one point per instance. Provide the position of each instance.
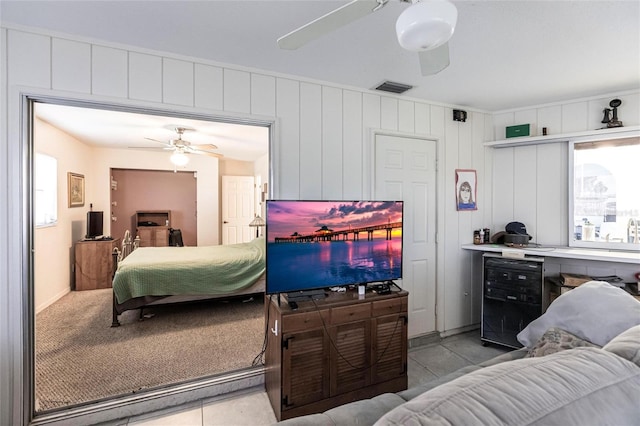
(45, 190)
(605, 195)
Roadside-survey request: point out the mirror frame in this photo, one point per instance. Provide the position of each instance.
(145, 401)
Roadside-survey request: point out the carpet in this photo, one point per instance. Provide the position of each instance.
(80, 358)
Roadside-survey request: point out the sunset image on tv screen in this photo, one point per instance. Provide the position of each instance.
(314, 244)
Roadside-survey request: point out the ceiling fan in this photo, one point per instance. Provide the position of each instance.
(424, 27)
(181, 147)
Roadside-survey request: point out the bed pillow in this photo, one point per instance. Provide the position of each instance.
(556, 340)
(626, 345)
(596, 311)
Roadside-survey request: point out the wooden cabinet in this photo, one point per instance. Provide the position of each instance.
(153, 236)
(152, 227)
(334, 351)
(94, 264)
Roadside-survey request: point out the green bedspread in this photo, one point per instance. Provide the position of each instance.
(214, 270)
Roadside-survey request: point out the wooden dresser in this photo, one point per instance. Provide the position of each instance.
(333, 351)
(152, 226)
(94, 264)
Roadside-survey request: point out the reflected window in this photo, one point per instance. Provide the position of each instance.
(605, 200)
(45, 190)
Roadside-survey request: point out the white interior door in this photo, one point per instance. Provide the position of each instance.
(405, 169)
(237, 209)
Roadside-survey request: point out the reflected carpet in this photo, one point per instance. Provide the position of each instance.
(80, 358)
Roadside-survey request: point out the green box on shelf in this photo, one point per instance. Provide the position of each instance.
(519, 130)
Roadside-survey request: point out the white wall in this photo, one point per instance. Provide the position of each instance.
(321, 150)
(236, 168)
(531, 182)
(54, 244)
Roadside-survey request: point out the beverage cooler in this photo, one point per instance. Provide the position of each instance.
(513, 295)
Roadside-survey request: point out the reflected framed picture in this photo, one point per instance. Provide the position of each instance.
(466, 189)
(75, 185)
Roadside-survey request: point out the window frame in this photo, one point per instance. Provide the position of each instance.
(572, 241)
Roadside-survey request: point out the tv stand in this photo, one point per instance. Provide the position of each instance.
(339, 349)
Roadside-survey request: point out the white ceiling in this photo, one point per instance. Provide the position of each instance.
(117, 129)
(504, 54)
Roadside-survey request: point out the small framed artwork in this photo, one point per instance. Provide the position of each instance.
(466, 189)
(76, 189)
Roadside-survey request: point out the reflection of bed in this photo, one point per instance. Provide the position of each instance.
(160, 275)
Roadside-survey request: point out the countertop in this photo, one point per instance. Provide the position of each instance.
(562, 252)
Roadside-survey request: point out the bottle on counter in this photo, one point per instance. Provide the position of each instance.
(481, 236)
(487, 235)
(476, 237)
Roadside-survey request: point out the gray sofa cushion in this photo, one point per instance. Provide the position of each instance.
(423, 387)
(366, 411)
(363, 412)
(577, 386)
(507, 356)
(319, 419)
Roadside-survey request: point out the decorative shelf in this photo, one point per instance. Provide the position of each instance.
(590, 135)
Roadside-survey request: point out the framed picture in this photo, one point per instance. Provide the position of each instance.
(76, 189)
(466, 189)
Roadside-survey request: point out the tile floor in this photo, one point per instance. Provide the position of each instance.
(251, 407)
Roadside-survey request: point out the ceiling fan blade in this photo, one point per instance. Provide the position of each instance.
(210, 154)
(329, 22)
(201, 149)
(204, 146)
(435, 60)
(155, 140)
(150, 148)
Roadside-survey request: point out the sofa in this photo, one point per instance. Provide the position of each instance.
(579, 365)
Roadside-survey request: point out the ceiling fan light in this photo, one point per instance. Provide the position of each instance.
(426, 25)
(178, 158)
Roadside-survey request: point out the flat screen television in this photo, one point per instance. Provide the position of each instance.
(94, 225)
(319, 244)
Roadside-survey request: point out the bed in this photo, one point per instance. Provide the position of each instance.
(150, 276)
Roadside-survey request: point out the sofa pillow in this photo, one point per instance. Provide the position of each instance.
(596, 311)
(556, 340)
(626, 345)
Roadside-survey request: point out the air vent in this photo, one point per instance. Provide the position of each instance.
(390, 86)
